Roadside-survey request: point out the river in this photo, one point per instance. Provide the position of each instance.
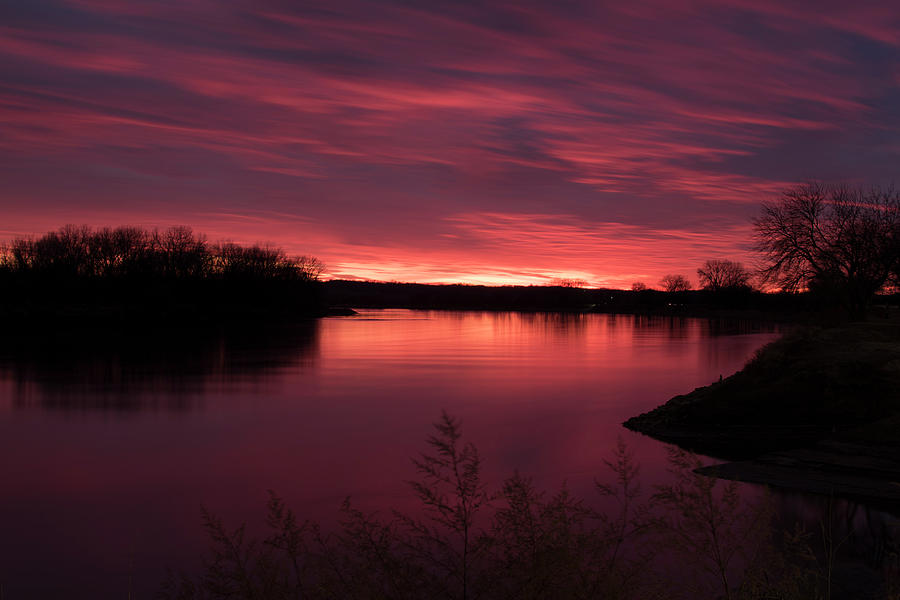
(111, 446)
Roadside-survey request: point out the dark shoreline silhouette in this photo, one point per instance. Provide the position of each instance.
(127, 275)
(43, 303)
(739, 303)
(816, 411)
(115, 277)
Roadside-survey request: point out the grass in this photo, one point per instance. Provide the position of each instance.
(839, 383)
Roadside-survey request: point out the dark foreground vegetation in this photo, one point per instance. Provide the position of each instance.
(693, 537)
(128, 274)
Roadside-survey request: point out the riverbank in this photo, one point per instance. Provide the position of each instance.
(40, 302)
(816, 411)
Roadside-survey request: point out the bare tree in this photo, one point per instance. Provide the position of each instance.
(186, 254)
(675, 283)
(841, 241)
(568, 282)
(720, 274)
(638, 286)
(63, 251)
(178, 253)
(309, 267)
(253, 261)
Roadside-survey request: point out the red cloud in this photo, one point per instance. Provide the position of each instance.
(345, 112)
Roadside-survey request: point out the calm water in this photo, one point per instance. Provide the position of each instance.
(111, 446)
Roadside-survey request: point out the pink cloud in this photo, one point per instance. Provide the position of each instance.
(361, 116)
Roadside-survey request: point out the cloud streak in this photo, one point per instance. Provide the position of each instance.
(389, 124)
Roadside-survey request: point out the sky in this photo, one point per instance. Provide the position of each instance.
(432, 141)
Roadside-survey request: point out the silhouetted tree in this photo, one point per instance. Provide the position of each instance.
(184, 254)
(152, 268)
(720, 274)
(132, 251)
(568, 283)
(638, 286)
(838, 240)
(309, 267)
(675, 283)
(176, 252)
(254, 261)
(63, 252)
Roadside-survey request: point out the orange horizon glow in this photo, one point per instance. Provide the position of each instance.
(498, 144)
(484, 249)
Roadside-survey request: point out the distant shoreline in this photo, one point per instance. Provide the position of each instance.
(187, 302)
(740, 304)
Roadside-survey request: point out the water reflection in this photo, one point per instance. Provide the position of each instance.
(319, 413)
(137, 370)
(561, 324)
(684, 327)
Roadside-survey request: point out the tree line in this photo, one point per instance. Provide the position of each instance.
(838, 242)
(175, 253)
(715, 275)
(111, 276)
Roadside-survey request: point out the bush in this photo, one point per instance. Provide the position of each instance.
(517, 542)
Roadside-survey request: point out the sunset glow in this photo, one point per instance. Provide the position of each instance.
(444, 142)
